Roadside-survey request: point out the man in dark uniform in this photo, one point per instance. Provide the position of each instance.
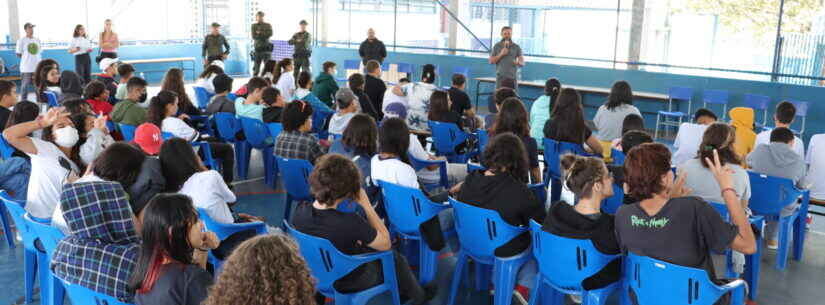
(261, 31)
(303, 49)
(372, 49)
(215, 46)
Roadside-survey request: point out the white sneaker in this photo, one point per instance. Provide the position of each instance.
(576, 298)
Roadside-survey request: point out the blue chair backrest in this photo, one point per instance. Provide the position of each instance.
(52, 98)
(404, 67)
(352, 64)
(481, 231)
(6, 150)
(166, 135)
(82, 295)
(128, 131)
(228, 125)
(552, 153)
(617, 156)
(483, 139)
(295, 173)
(658, 282)
(202, 96)
(757, 102)
(232, 96)
(722, 209)
(680, 93)
(274, 130)
(770, 194)
(446, 136)
(716, 96)
(566, 262)
(408, 207)
(539, 190)
(224, 230)
(801, 108)
(318, 119)
(611, 204)
(257, 134)
(18, 213)
(49, 236)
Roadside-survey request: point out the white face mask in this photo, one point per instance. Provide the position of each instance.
(66, 136)
(334, 72)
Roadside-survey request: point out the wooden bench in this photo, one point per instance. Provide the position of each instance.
(181, 60)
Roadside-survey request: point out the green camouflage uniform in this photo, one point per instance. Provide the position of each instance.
(303, 51)
(261, 32)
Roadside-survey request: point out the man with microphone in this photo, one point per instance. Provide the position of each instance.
(507, 57)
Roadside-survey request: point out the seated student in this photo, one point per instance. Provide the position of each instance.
(250, 106)
(689, 136)
(630, 140)
(119, 163)
(49, 80)
(173, 81)
(71, 86)
(295, 142)
(334, 180)
(126, 72)
(783, 117)
(741, 118)
(100, 250)
(668, 225)
(512, 117)
(108, 68)
(274, 105)
(8, 98)
(610, 117)
(356, 84)
(461, 101)
(150, 181)
(283, 79)
(93, 135)
(304, 93)
(206, 79)
(816, 170)
(171, 267)
(325, 84)
(540, 111)
(14, 172)
(222, 84)
(498, 98)
(567, 124)
(132, 109)
(390, 98)
(505, 83)
(96, 95)
(589, 179)
(439, 109)
(374, 86)
(25, 111)
(347, 104)
(359, 142)
(418, 96)
(55, 160)
(779, 159)
(630, 122)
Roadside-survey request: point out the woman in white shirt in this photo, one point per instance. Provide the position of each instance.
(283, 79)
(94, 135)
(610, 116)
(418, 98)
(81, 47)
(54, 160)
(206, 77)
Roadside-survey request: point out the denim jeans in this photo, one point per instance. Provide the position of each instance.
(26, 85)
(14, 177)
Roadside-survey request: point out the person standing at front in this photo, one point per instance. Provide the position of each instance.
(109, 42)
(28, 50)
(261, 31)
(303, 50)
(372, 49)
(215, 47)
(81, 47)
(507, 57)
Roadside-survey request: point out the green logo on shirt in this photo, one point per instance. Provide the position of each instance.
(33, 48)
(650, 223)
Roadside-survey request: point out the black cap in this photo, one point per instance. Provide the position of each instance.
(303, 22)
(215, 24)
(28, 25)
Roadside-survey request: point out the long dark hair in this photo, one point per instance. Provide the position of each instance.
(43, 64)
(552, 87)
(361, 135)
(166, 223)
(505, 154)
(157, 107)
(120, 162)
(269, 66)
(512, 118)
(24, 111)
(568, 114)
(279, 69)
(620, 94)
(718, 136)
(439, 105)
(209, 70)
(394, 138)
(428, 74)
(77, 30)
(173, 81)
(43, 75)
(94, 89)
(179, 162)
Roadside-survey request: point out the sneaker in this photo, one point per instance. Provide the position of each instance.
(521, 294)
(773, 244)
(576, 298)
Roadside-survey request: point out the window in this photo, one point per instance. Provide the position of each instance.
(801, 42)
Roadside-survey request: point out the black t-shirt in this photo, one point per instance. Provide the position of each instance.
(460, 99)
(683, 232)
(178, 285)
(349, 232)
(554, 132)
(366, 105)
(272, 114)
(4, 117)
(449, 117)
(375, 88)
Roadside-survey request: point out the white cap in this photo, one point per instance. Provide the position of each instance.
(106, 62)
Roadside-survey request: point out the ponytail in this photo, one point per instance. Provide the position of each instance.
(279, 70)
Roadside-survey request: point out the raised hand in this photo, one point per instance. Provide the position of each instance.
(54, 115)
(722, 173)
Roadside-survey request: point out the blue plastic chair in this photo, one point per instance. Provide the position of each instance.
(407, 208)
(52, 98)
(406, 68)
(753, 262)
(6, 150)
(327, 265)
(49, 237)
(202, 96)
(483, 139)
(717, 97)
(295, 174)
(552, 153)
(617, 156)
(611, 204)
(30, 253)
(128, 131)
(274, 130)
(758, 102)
(228, 125)
(223, 231)
(563, 264)
(668, 118)
(205, 127)
(350, 64)
(480, 232)
(318, 119)
(418, 164)
(802, 112)
(540, 191)
(658, 282)
(82, 295)
(257, 137)
(769, 196)
(446, 136)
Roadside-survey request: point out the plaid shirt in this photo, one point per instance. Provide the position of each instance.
(102, 248)
(298, 145)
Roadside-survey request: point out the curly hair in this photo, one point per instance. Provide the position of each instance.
(582, 173)
(506, 154)
(334, 177)
(264, 270)
(643, 170)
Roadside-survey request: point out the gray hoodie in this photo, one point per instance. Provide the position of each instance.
(779, 160)
(339, 122)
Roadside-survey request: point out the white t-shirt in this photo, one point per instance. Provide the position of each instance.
(47, 179)
(418, 99)
(179, 128)
(765, 138)
(206, 83)
(57, 217)
(687, 142)
(816, 171)
(30, 50)
(390, 98)
(417, 151)
(286, 84)
(209, 192)
(80, 42)
(393, 171)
